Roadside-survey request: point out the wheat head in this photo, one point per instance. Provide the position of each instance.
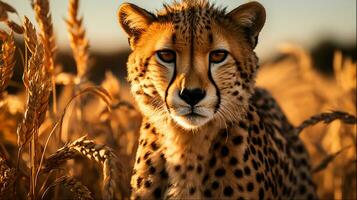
(44, 19)
(99, 153)
(77, 36)
(7, 62)
(79, 190)
(38, 87)
(4, 8)
(30, 35)
(327, 118)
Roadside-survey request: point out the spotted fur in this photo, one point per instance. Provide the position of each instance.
(235, 142)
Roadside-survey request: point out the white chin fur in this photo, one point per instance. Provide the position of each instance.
(190, 123)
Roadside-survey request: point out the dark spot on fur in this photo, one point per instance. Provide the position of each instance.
(228, 191)
(147, 154)
(237, 140)
(139, 181)
(192, 190)
(152, 170)
(157, 193)
(250, 186)
(238, 173)
(220, 172)
(154, 146)
(199, 169)
(233, 161)
(246, 155)
(215, 185)
(147, 183)
(163, 174)
(224, 151)
(212, 161)
(261, 193)
(177, 168)
(247, 170)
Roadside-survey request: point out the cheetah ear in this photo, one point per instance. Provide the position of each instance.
(250, 16)
(134, 20)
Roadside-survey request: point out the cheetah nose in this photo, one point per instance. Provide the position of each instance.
(192, 96)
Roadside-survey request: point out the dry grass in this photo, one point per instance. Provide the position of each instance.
(44, 20)
(41, 131)
(80, 191)
(7, 62)
(305, 93)
(98, 153)
(49, 158)
(78, 40)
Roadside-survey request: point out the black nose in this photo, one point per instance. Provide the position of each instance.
(192, 96)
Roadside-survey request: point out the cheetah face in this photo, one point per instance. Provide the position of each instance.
(191, 63)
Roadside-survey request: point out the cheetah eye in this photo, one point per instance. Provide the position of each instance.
(167, 56)
(218, 56)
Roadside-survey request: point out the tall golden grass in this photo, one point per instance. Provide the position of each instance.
(43, 161)
(306, 92)
(45, 150)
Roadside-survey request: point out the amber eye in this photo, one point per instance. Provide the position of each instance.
(167, 56)
(218, 56)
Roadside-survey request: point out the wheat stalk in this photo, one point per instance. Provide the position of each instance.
(30, 35)
(44, 19)
(77, 37)
(37, 82)
(327, 118)
(7, 62)
(88, 148)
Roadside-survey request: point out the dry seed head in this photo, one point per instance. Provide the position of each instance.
(15, 27)
(79, 190)
(99, 153)
(3, 35)
(7, 61)
(59, 158)
(3, 14)
(78, 40)
(327, 118)
(6, 7)
(37, 81)
(44, 19)
(30, 35)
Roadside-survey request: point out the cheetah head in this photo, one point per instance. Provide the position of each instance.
(192, 63)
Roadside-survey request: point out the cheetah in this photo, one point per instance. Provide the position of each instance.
(207, 131)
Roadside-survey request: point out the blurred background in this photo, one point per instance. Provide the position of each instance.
(313, 25)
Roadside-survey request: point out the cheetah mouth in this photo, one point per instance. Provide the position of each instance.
(190, 118)
(194, 115)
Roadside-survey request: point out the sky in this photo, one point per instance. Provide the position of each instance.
(302, 22)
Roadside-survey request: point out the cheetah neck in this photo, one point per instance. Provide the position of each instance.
(180, 142)
(185, 151)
